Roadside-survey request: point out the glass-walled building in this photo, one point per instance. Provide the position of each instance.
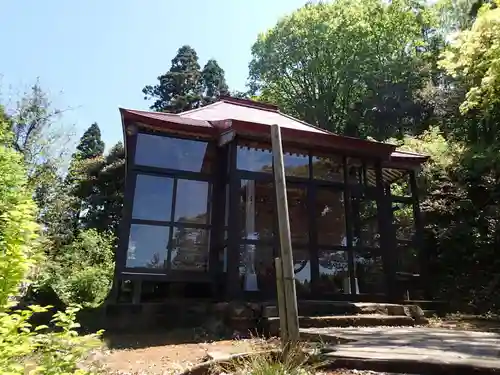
(200, 209)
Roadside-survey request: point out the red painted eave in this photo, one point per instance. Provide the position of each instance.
(313, 139)
(167, 122)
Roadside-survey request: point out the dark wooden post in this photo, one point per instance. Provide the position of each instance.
(349, 228)
(418, 242)
(387, 234)
(233, 252)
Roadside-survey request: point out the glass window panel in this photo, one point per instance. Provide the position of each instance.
(365, 223)
(153, 198)
(302, 270)
(403, 221)
(328, 168)
(255, 160)
(330, 217)
(191, 201)
(407, 260)
(355, 170)
(256, 268)
(399, 182)
(173, 153)
(256, 209)
(369, 270)
(297, 211)
(333, 271)
(190, 249)
(147, 246)
(296, 165)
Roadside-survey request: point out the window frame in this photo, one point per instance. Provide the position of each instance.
(133, 170)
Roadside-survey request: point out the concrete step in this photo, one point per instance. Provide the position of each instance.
(341, 308)
(364, 320)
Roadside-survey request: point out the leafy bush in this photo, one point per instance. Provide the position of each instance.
(17, 220)
(82, 271)
(38, 350)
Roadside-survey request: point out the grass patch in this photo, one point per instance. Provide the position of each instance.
(298, 360)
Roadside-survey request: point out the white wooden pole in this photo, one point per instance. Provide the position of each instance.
(285, 239)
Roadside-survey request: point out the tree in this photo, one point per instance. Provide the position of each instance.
(346, 65)
(99, 187)
(17, 219)
(185, 86)
(91, 144)
(472, 58)
(213, 82)
(180, 88)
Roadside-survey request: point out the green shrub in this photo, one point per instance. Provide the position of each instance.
(82, 273)
(38, 350)
(17, 221)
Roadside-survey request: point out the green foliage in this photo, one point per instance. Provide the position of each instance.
(353, 67)
(17, 222)
(82, 271)
(185, 86)
(91, 144)
(25, 348)
(99, 185)
(472, 58)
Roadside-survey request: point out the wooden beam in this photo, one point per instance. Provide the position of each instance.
(226, 138)
(285, 239)
(280, 288)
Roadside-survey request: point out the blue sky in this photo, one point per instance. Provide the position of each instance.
(95, 56)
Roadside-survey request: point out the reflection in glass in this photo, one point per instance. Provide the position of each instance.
(296, 165)
(153, 198)
(403, 221)
(256, 209)
(355, 170)
(297, 211)
(407, 260)
(365, 223)
(173, 153)
(190, 249)
(400, 181)
(256, 268)
(191, 201)
(328, 168)
(330, 217)
(147, 246)
(333, 272)
(255, 160)
(302, 270)
(369, 272)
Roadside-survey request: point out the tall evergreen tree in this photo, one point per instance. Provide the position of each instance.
(213, 82)
(179, 89)
(91, 145)
(185, 86)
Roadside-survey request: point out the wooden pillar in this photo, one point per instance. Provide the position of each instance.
(285, 239)
(387, 235)
(418, 240)
(312, 197)
(218, 206)
(233, 252)
(349, 228)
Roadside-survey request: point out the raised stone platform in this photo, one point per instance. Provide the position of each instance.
(412, 347)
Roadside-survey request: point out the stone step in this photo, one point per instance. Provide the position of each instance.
(364, 320)
(341, 308)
